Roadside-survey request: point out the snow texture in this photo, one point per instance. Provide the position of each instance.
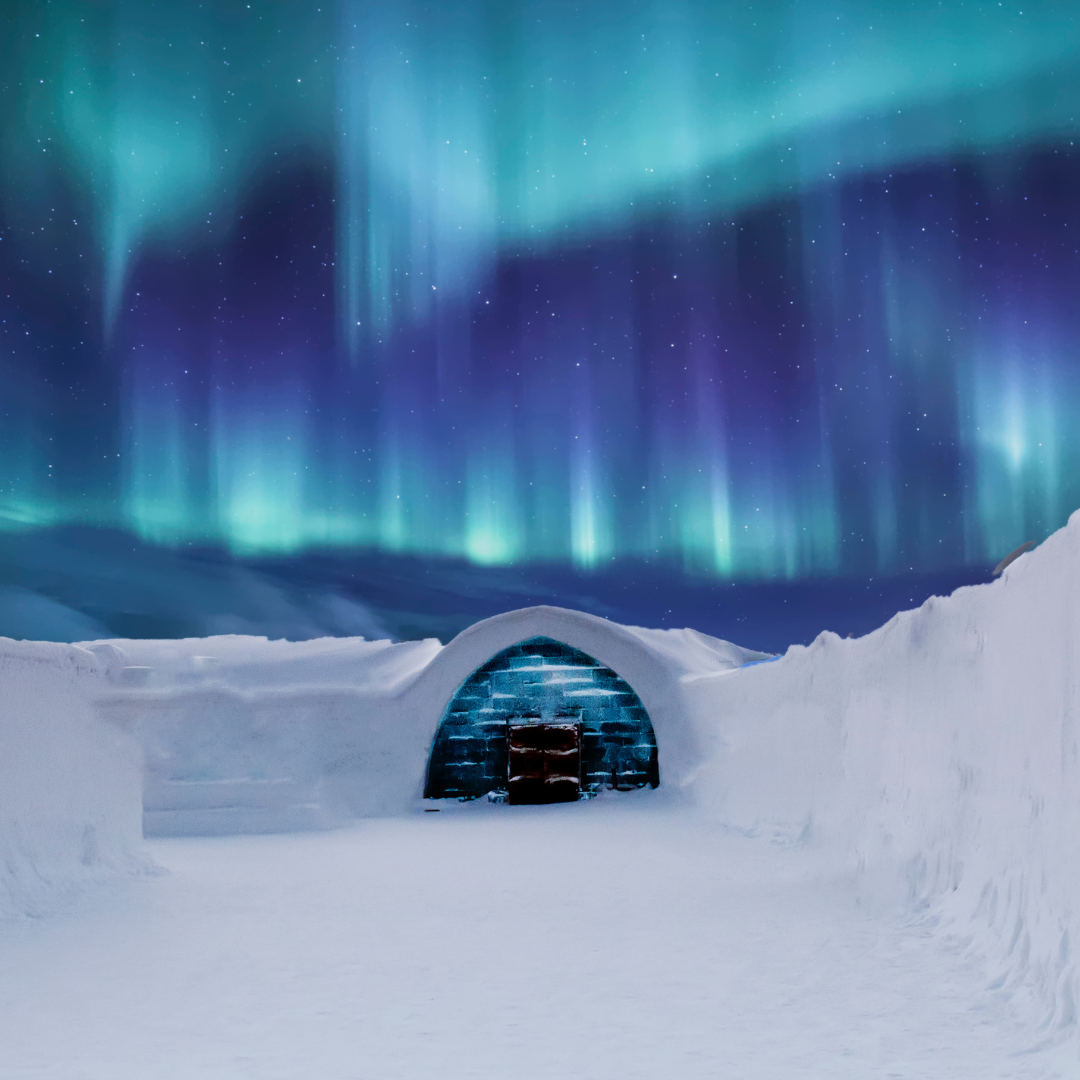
(70, 798)
(937, 758)
(242, 734)
(601, 940)
(941, 754)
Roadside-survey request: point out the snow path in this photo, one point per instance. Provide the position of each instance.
(621, 938)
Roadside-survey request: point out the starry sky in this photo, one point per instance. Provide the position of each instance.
(756, 292)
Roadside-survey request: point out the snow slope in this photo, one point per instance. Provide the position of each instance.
(70, 785)
(941, 754)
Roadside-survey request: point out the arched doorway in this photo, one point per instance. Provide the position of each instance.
(542, 721)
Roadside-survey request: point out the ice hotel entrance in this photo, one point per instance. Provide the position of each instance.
(541, 722)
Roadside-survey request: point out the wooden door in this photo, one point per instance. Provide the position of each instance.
(544, 762)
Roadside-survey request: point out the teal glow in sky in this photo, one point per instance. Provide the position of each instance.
(545, 281)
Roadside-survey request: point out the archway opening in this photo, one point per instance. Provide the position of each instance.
(542, 721)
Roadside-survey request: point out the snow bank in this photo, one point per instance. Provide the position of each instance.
(945, 746)
(243, 735)
(692, 654)
(242, 662)
(70, 798)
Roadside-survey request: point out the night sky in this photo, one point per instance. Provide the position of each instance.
(752, 294)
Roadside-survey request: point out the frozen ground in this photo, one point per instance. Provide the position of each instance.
(925, 927)
(620, 938)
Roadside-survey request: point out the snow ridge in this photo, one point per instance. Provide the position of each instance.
(941, 753)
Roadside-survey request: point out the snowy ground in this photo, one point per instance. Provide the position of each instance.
(620, 938)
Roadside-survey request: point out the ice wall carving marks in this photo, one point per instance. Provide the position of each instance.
(542, 679)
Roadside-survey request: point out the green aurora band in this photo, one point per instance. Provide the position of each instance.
(456, 138)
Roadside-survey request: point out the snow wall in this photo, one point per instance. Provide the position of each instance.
(70, 785)
(245, 735)
(941, 752)
(241, 734)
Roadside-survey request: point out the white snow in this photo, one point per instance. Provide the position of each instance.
(254, 663)
(241, 734)
(70, 798)
(863, 860)
(618, 938)
(941, 755)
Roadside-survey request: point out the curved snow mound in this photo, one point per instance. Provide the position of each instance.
(693, 654)
(945, 744)
(70, 785)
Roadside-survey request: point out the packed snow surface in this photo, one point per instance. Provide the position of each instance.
(618, 938)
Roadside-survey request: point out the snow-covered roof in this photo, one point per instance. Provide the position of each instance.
(653, 662)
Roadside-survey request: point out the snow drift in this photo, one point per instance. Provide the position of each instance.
(70, 797)
(945, 747)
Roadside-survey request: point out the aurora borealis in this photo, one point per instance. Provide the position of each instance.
(778, 291)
